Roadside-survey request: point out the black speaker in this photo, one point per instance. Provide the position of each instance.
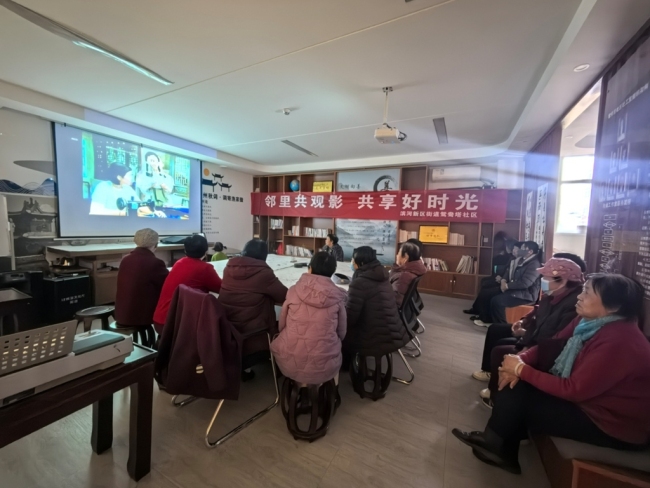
(31, 283)
(64, 296)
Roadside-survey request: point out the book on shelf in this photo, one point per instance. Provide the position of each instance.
(256, 219)
(434, 264)
(405, 235)
(276, 223)
(309, 232)
(466, 265)
(295, 230)
(456, 239)
(297, 251)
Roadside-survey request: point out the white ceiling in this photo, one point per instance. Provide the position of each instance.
(487, 67)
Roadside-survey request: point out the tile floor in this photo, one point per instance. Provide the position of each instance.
(403, 440)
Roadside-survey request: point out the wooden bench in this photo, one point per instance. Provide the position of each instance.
(565, 472)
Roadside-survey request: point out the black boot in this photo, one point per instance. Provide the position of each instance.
(247, 375)
(490, 448)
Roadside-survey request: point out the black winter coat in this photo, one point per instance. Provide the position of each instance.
(526, 282)
(552, 315)
(374, 326)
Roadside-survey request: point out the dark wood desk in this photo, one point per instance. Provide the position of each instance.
(38, 411)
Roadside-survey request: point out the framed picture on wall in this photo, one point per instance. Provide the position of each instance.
(322, 186)
(434, 234)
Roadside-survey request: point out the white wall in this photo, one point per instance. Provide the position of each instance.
(574, 243)
(227, 221)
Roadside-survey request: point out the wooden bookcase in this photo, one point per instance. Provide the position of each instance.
(479, 237)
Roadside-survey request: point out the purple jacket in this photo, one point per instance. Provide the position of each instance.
(312, 326)
(200, 352)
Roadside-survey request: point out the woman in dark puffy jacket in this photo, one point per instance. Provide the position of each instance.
(374, 326)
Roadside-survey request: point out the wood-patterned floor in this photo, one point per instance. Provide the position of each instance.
(403, 440)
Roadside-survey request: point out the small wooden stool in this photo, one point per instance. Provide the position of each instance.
(87, 315)
(318, 401)
(360, 374)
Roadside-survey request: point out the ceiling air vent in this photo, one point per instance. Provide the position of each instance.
(302, 149)
(441, 130)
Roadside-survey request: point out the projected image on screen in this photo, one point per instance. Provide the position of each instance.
(164, 179)
(122, 179)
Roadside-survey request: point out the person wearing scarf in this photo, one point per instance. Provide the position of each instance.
(595, 391)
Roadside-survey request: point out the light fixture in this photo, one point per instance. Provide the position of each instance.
(581, 67)
(79, 40)
(299, 148)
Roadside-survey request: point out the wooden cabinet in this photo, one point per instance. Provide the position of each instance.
(446, 283)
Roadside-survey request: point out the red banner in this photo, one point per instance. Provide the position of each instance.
(439, 205)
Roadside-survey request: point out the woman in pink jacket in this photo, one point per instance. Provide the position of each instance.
(312, 325)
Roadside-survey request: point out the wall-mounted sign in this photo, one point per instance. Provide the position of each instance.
(323, 186)
(434, 234)
(370, 180)
(438, 205)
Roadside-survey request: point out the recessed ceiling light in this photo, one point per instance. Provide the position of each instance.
(568, 137)
(581, 67)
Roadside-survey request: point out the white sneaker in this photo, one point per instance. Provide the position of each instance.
(485, 393)
(480, 323)
(481, 375)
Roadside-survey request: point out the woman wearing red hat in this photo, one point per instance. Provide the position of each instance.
(561, 285)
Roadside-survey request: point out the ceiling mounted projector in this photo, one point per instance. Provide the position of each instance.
(387, 134)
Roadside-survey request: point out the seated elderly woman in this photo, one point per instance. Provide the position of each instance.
(561, 284)
(408, 266)
(595, 391)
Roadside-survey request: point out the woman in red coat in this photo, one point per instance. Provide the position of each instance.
(191, 271)
(595, 391)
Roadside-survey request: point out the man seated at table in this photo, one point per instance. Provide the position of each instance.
(332, 247)
(139, 282)
(190, 271)
(249, 293)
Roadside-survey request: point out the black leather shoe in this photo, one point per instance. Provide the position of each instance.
(470, 311)
(487, 451)
(474, 317)
(247, 375)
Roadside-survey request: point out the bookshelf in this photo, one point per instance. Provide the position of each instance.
(478, 238)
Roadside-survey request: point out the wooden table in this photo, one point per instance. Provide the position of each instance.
(34, 413)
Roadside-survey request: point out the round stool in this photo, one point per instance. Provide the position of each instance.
(87, 315)
(360, 373)
(317, 401)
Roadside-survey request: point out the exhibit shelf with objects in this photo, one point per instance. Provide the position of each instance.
(457, 226)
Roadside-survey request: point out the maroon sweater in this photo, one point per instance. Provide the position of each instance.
(139, 281)
(610, 380)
